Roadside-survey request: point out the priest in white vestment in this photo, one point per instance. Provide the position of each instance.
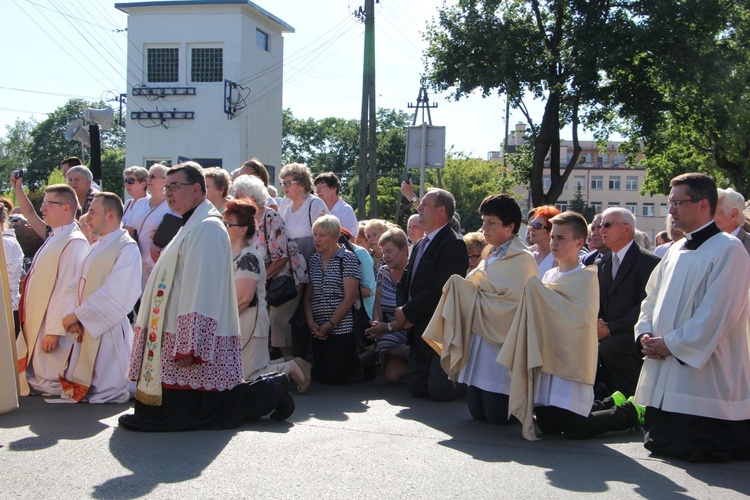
(693, 329)
(186, 355)
(43, 345)
(97, 307)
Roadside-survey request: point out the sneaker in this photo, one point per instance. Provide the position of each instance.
(640, 409)
(619, 398)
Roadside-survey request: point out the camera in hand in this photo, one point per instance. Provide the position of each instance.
(18, 174)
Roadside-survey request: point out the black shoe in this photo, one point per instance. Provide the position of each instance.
(285, 404)
(368, 363)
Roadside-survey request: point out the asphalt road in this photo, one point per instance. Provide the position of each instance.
(363, 440)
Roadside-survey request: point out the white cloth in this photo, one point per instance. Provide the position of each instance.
(697, 300)
(135, 208)
(14, 264)
(557, 391)
(298, 222)
(43, 374)
(546, 265)
(345, 214)
(483, 370)
(104, 315)
(146, 221)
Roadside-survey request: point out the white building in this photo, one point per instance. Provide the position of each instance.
(204, 82)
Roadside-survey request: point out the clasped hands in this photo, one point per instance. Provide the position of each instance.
(379, 328)
(72, 325)
(654, 347)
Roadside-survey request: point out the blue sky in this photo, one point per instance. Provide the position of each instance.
(58, 49)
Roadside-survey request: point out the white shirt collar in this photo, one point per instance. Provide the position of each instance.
(624, 250)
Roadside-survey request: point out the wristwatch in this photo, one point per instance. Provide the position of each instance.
(414, 198)
(390, 328)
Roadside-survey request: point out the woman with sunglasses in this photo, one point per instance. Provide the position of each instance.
(148, 214)
(136, 185)
(250, 281)
(538, 234)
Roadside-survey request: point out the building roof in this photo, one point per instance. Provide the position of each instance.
(125, 6)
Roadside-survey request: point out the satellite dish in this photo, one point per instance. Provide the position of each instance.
(76, 131)
(102, 117)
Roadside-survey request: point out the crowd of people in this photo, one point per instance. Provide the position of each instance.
(209, 300)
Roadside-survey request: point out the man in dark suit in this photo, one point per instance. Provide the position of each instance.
(730, 215)
(622, 287)
(434, 258)
(598, 248)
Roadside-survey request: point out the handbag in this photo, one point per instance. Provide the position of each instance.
(360, 319)
(279, 289)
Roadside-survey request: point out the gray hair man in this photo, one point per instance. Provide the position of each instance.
(730, 215)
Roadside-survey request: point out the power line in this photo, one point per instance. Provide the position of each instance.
(48, 93)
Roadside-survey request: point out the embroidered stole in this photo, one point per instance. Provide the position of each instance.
(35, 299)
(80, 379)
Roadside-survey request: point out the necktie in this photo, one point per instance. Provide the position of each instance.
(615, 265)
(420, 252)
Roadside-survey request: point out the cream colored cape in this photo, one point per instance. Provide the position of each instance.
(8, 376)
(554, 331)
(485, 302)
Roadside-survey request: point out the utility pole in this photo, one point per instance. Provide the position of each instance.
(368, 121)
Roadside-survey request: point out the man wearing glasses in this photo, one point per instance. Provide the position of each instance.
(693, 330)
(623, 275)
(186, 355)
(43, 345)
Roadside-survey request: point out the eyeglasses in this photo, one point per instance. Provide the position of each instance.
(607, 225)
(288, 183)
(129, 180)
(171, 188)
(231, 224)
(539, 225)
(48, 203)
(152, 176)
(678, 203)
(475, 256)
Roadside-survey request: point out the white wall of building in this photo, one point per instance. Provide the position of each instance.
(255, 131)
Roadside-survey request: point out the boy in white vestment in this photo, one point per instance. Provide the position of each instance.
(97, 307)
(551, 349)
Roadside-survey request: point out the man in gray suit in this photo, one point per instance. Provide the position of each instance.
(730, 217)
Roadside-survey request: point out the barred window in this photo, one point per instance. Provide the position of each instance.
(261, 40)
(163, 65)
(207, 65)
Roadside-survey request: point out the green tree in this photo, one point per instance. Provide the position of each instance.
(556, 50)
(14, 150)
(579, 204)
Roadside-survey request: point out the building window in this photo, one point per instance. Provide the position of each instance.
(546, 182)
(207, 65)
(664, 210)
(620, 159)
(597, 182)
(584, 158)
(614, 183)
(261, 40)
(631, 183)
(613, 204)
(633, 207)
(148, 162)
(562, 205)
(599, 161)
(648, 209)
(579, 181)
(597, 206)
(162, 65)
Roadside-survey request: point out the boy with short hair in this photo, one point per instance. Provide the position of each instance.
(551, 349)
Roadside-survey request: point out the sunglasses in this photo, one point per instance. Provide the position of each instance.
(539, 225)
(152, 176)
(231, 224)
(607, 225)
(129, 180)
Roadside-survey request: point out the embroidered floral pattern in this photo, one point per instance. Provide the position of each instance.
(136, 358)
(221, 374)
(152, 342)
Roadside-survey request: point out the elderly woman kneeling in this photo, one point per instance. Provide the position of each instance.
(328, 301)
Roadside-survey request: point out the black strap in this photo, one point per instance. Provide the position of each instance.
(359, 288)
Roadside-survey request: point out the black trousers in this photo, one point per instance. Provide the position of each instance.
(486, 405)
(335, 359)
(694, 438)
(621, 365)
(426, 378)
(191, 410)
(554, 420)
